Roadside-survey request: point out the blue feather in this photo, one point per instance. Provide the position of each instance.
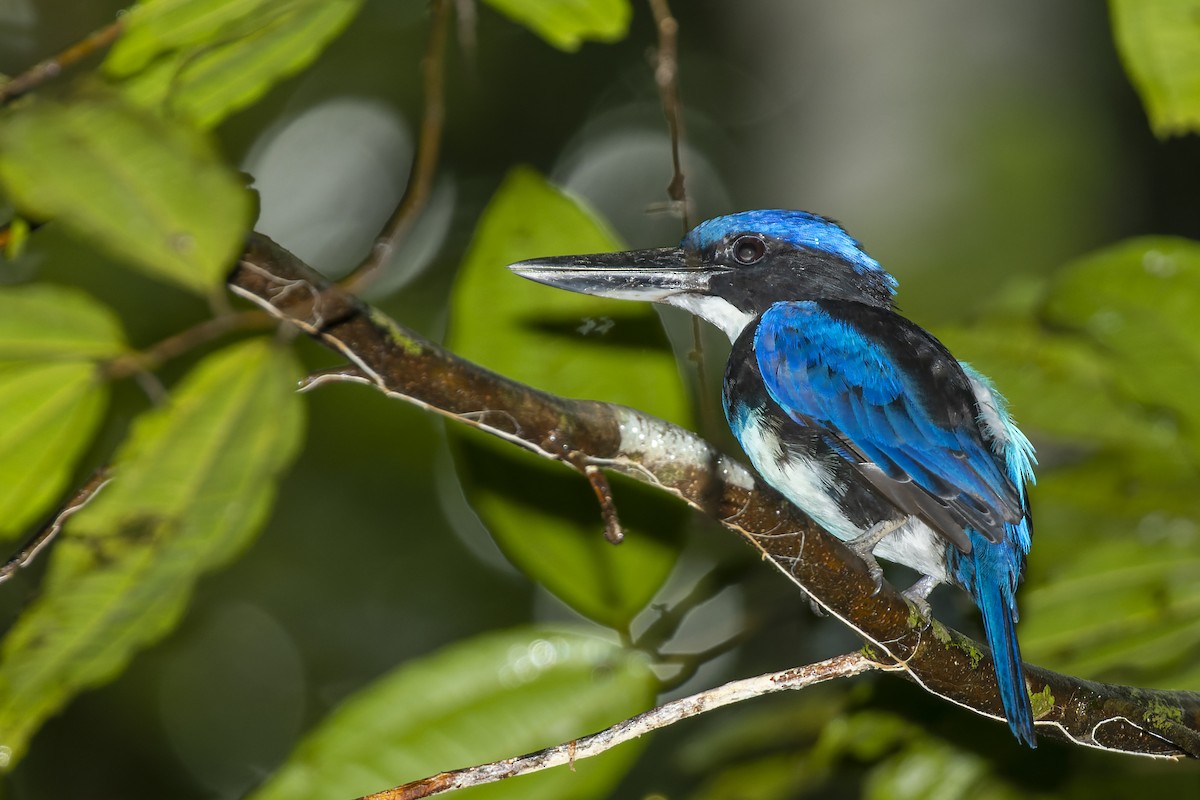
(990, 574)
(799, 228)
(822, 371)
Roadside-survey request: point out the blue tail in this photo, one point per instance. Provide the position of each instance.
(990, 574)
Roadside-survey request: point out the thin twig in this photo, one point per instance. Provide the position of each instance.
(667, 714)
(38, 542)
(608, 508)
(425, 161)
(52, 67)
(666, 75)
(185, 341)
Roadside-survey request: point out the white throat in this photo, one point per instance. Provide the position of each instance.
(719, 312)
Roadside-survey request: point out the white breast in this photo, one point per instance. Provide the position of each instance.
(811, 487)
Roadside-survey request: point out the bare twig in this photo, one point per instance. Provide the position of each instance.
(183, 342)
(425, 161)
(666, 75)
(53, 67)
(29, 551)
(608, 509)
(404, 365)
(666, 714)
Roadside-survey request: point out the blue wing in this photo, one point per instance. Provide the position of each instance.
(891, 400)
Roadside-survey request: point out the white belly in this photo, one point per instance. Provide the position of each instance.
(813, 490)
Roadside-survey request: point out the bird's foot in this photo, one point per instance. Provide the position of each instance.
(864, 545)
(918, 594)
(817, 609)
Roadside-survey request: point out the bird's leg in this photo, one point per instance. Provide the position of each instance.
(918, 593)
(864, 544)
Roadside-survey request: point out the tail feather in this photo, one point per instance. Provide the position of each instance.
(998, 606)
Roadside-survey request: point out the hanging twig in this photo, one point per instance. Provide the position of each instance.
(666, 75)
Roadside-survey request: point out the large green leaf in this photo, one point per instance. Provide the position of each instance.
(193, 483)
(204, 59)
(1123, 608)
(545, 519)
(51, 396)
(1157, 40)
(1140, 302)
(567, 24)
(488, 698)
(149, 191)
(43, 322)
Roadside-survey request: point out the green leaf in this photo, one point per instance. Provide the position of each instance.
(149, 191)
(1140, 302)
(204, 59)
(51, 396)
(193, 484)
(42, 322)
(1058, 385)
(1126, 608)
(488, 698)
(567, 24)
(547, 522)
(544, 518)
(1157, 41)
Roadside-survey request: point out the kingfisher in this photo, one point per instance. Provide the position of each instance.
(858, 416)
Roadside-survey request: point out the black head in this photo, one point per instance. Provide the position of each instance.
(730, 269)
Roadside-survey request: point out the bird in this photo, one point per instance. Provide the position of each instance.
(855, 414)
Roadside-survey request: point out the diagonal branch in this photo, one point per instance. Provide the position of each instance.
(944, 662)
(660, 717)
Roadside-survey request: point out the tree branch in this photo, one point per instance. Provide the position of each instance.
(944, 662)
(632, 728)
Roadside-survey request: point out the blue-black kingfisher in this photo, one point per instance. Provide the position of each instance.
(858, 416)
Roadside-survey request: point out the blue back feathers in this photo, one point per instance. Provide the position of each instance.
(825, 373)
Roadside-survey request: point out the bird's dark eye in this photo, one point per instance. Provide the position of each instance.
(749, 249)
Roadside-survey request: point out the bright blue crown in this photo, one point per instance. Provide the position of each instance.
(799, 228)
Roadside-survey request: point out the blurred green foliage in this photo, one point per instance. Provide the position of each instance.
(389, 616)
(484, 699)
(192, 485)
(1157, 40)
(153, 193)
(51, 338)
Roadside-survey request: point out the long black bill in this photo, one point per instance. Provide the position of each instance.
(648, 275)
